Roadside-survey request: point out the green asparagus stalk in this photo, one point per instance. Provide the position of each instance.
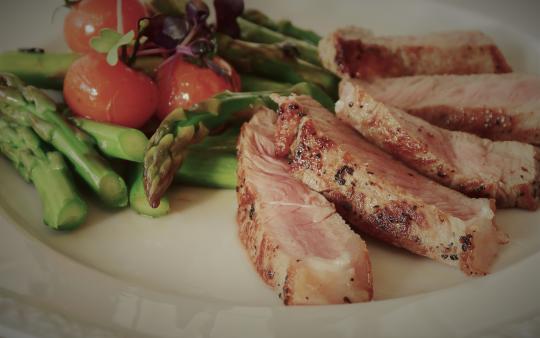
(212, 162)
(224, 142)
(63, 209)
(250, 31)
(47, 70)
(212, 169)
(274, 63)
(167, 147)
(29, 107)
(284, 27)
(115, 141)
(252, 83)
(137, 197)
(39, 69)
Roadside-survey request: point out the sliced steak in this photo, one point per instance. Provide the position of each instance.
(298, 243)
(494, 106)
(507, 171)
(381, 196)
(358, 53)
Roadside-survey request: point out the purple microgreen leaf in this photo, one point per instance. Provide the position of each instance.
(204, 32)
(166, 31)
(226, 13)
(187, 35)
(197, 12)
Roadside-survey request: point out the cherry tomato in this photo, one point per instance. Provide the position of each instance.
(182, 84)
(116, 94)
(88, 17)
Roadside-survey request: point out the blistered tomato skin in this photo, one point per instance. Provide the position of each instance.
(88, 17)
(182, 84)
(115, 94)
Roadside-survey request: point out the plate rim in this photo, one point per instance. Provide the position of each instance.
(63, 259)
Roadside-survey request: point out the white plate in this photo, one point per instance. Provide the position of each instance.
(187, 275)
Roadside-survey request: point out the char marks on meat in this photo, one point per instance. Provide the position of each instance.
(358, 53)
(382, 197)
(494, 106)
(507, 171)
(297, 242)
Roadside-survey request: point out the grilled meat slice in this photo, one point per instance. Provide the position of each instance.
(507, 171)
(382, 197)
(358, 53)
(494, 106)
(298, 243)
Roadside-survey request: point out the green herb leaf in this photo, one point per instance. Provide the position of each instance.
(106, 40)
(109, 41)
(112, 55)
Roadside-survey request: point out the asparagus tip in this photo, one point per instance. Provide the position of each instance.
(154, 203)
(141, 206)
(154, 194)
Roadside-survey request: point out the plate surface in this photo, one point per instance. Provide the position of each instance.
(187, 275)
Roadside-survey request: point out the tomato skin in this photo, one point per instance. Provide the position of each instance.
(115, 94)
(88, 17)
(182, 84)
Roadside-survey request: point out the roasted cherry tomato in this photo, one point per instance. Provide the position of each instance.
(86, 18)
(116, 94)
(182, 84)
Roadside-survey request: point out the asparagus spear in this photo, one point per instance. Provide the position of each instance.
(213, 169)
(47, 70)
(275, 63)
(40, 69)
(29, 107)
(285, 27)
(212, 162)
(137, 197)
(62, 207)
(250, 31)
(224, 142)
(115, 141)
(165, 152)
(252, 83)
(167, 147)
